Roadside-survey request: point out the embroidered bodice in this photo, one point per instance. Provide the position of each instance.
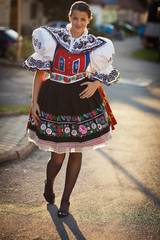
(58, 53)
(69, 64)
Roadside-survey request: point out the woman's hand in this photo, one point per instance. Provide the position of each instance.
(35, 112)
(90, 89)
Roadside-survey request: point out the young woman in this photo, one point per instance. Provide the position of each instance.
(70, 112)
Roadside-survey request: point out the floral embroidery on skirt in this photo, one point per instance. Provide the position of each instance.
(68, 123)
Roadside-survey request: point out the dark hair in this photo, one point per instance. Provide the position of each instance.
(81, 6)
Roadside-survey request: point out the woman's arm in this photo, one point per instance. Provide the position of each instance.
(39, 76)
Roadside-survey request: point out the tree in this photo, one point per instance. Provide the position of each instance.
(57, 10)
(144, 3)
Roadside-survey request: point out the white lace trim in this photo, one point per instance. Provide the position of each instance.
(66, 147)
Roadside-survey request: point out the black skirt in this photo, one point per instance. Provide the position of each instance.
(67, 122)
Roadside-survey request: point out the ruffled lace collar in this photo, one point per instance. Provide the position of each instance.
(85, 43)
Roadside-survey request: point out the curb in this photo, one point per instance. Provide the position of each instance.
(18, 153)
(22, 149)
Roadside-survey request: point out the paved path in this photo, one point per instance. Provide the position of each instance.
(12, 131)
(117, 196)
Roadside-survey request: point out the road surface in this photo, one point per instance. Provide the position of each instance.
(117, 195)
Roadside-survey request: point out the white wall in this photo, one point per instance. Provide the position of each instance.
(135, 18)
(104, 14)
(97, 13)
(109, 15)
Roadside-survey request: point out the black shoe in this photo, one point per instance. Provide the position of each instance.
(63, 213)
(49, 194)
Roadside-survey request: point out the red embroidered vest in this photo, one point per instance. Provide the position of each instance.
(69, 64)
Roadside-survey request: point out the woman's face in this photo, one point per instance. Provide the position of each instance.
(79, 21)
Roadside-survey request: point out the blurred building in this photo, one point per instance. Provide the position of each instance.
(131, 11)
(32, 14)
(151, 35)
(109, 11)
(104, 11)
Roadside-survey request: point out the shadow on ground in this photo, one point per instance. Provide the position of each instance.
(150, 195)
(131, 95)
(60, 224)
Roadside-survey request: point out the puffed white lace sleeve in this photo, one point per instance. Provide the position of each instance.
(44, 46)
(101, 60)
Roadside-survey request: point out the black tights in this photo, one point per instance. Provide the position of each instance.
(72, 172)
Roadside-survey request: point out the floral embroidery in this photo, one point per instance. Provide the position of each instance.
(33, 64)
(93, 125)
(67, 130)
(48, 131)
(59, 130)
(62, 147)
(47, 116)
(73, 126)
(68, 79)
(101, 119)
(43, 126)
(99, 126)
(82, 129)
(109, 79)
(37, 43)
(32, 121)
(74, 132)
(51, 116)
(68, 118)
(80, 46)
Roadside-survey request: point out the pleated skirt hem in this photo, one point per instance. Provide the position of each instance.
(66, 147)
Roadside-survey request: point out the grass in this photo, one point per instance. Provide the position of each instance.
(21, 109)
(147, 54)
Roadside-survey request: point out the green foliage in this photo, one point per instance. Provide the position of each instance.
(26, 50)
(57, 10)
(21, 109)
(93, 30)
(11, 53)
(97, 33)
(144, 3)
(147, 54)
